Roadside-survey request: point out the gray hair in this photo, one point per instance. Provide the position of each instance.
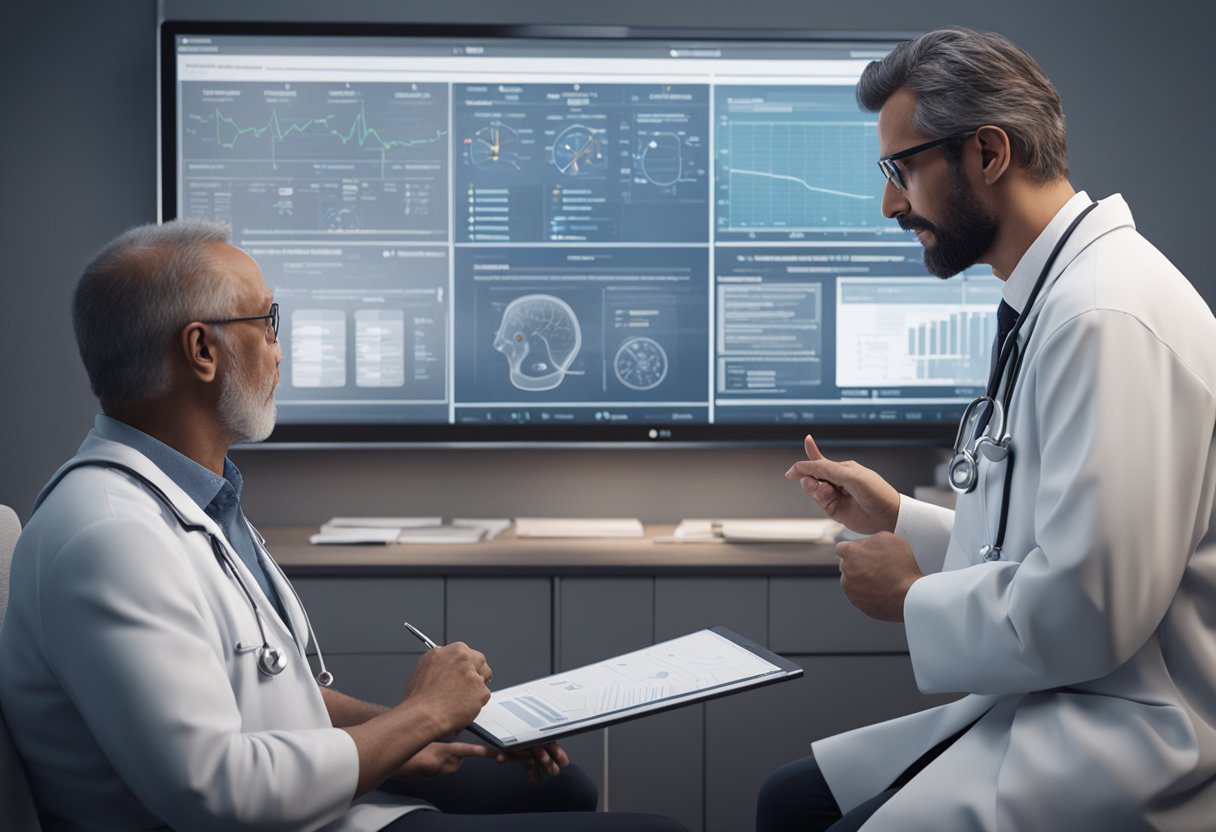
(134, 298)
(964, 79)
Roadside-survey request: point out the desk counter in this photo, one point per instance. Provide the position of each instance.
(508, 555)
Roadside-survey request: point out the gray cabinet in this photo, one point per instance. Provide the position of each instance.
(508, 619)
(812, 615)
(596, 618)
(702, 765)
(364, 615)
(378, 678)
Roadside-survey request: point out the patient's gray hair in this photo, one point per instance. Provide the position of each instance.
(964, 79)
(134, 298)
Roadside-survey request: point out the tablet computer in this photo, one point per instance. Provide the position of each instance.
(703, 665)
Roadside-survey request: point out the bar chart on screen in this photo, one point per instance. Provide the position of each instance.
(912, 332)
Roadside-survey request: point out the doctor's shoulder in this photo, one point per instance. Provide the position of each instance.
(1122, 275)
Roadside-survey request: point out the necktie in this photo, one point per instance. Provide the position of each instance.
(1006, 317)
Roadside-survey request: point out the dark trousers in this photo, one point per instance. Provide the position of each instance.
(484, 796)
(796, 796)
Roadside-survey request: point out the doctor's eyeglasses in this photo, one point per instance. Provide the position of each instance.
(892, 171)
(271, 319)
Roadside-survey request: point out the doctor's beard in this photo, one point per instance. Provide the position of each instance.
(966, 232)
(246, 405)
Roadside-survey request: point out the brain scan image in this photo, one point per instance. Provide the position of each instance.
(540, 338)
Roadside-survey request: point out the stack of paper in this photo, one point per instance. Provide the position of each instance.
(755, 531)
(492, 527)
(780, 531)
(599, 527)
(335, 523)
(383, 530)
(350, 535)
(442, 534)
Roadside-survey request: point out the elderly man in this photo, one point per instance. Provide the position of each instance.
(155, 656)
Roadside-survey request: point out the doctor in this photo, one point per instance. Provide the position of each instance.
(1082, 626)
(154, 656)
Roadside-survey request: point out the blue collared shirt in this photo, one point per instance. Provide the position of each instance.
(218, 497)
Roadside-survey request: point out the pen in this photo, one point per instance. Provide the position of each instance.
(421, 636)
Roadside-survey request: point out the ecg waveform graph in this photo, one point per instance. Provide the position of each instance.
(809, 176)
(229, 132)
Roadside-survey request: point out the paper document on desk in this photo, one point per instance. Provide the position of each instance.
(599, 527)
(351, 535)
(794, 530)
(380, 523)
(493, 526)
(780, 531)
(442, 534)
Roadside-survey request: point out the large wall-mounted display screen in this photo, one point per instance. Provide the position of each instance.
(492, 234)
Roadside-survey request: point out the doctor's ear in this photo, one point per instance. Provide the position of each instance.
(198, 344)
(996, 153)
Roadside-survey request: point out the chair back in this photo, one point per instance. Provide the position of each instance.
(17, 809)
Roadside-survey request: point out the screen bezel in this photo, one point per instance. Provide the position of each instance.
(433, 434)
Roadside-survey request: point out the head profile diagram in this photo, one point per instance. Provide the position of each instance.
(540, 337)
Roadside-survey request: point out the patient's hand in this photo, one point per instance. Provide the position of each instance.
(550, 757)
(440, 758)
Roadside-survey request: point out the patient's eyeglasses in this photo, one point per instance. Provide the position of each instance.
(271, 319)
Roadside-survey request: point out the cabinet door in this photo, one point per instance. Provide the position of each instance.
(656, 764)
(376, 678)
(364, 615)
(508, 619)
(750, 734)
(812, 615)
(599, 618)
(684, 605)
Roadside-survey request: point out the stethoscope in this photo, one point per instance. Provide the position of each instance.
(271, 660)
(983, 430)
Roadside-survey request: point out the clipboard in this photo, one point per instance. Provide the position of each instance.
(703, 665)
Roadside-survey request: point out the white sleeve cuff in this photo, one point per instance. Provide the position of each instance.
(927, 529)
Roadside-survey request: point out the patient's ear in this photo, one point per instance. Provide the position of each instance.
(198, 348)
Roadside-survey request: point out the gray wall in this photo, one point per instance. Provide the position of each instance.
(78, 153)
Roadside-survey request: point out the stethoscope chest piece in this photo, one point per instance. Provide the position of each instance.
(990, 553)
(963, 472)
(271, 660)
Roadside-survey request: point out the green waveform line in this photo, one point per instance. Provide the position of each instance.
(359, 131)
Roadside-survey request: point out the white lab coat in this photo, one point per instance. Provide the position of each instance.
(122, 685)
(1089, 648)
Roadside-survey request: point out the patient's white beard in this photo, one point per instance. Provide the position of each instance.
(247, 408)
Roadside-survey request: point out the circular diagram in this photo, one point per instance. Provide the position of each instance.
(640, 363)
(577, 151)
(661, 159)
(493, 146)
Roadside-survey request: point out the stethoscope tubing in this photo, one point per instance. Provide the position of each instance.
(270, 660)
(1009, 358)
